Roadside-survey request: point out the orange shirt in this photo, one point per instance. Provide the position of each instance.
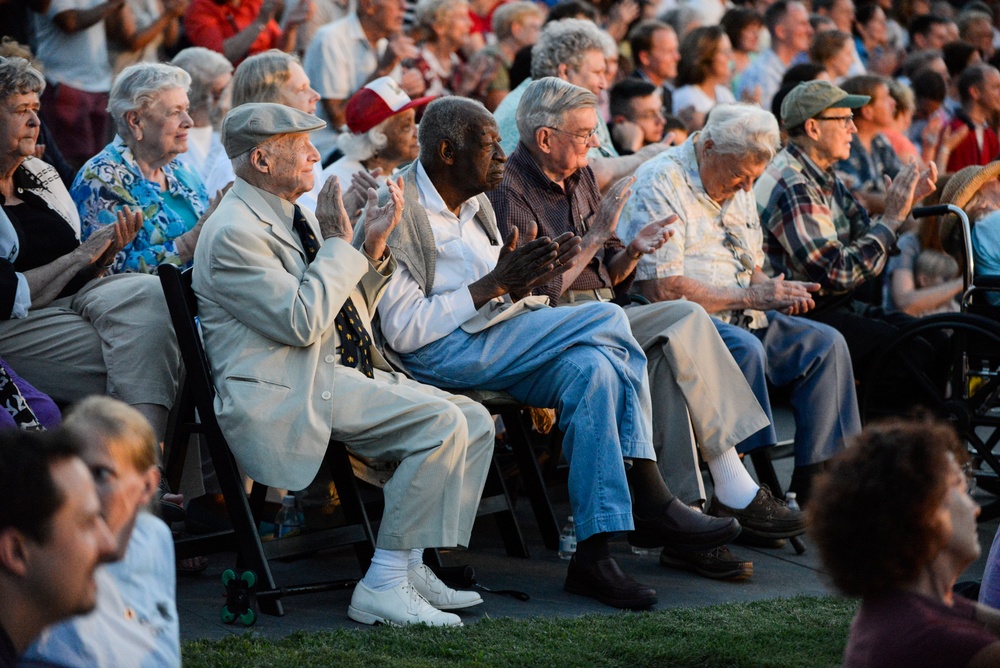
(209, 23)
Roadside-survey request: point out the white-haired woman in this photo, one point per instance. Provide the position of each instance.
(139, 169)
(209, 97)
(444, 26)
(381, 135)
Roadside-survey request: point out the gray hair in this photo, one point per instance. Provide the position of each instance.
(204, 66)
(743, 130)
(565, 42)
(546, 101)
(363, 145)
(448, 118)
(137, 86)
(17, 76)
(430, 13)
(259, 78)
(510, 13)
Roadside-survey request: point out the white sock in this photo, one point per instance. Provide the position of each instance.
(416, 557)
(388, 569)
(733, 485)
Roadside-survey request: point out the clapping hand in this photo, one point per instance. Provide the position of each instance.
(651, 237)
(381, 220)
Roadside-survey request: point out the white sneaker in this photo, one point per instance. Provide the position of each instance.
(398, 606)
(437, 593)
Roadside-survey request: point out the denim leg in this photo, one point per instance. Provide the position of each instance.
(584, 362)
(814, 359)
(748, 352)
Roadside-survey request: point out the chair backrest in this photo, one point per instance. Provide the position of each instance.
(183, 307)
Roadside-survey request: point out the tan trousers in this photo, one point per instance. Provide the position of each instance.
(444, 445)
(113, 337)
(700, 397)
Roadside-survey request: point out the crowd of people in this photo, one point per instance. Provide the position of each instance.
(655, 218)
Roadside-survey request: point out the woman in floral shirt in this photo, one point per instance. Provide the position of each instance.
(149, 106)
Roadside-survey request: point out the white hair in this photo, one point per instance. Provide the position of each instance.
(204, 66)
(565, 42)
(546, 101)
(743, 130)
(138, 86)
(363, 145)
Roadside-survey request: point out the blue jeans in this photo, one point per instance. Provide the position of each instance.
(811, 358)
(582, 361)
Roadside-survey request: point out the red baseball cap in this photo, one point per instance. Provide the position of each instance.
(378, 100)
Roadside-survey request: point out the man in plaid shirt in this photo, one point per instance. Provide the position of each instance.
(814, 228)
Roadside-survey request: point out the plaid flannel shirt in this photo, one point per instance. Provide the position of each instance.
(815, 229)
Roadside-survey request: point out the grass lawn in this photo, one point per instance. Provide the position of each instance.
(783, 633)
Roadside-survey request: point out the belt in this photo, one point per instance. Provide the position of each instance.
(596, 295)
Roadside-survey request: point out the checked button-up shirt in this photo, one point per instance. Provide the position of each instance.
(814, 228)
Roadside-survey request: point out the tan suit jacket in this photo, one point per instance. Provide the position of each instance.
(268, 324)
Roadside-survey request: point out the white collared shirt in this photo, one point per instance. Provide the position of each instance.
(411, 320)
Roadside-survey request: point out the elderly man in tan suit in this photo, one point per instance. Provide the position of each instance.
(285, 305)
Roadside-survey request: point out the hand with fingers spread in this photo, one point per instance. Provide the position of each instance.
(606, 221)
(380, 221)
(122, 232)
(330, 212)
(356, 195)
(902, 192)
(651, 238)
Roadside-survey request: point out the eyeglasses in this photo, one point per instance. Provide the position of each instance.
(739, 251)
(579, 139)
(845, 120)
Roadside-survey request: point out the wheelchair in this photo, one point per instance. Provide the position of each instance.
(966, 390)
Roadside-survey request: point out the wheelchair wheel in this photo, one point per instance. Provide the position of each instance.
(962, 390)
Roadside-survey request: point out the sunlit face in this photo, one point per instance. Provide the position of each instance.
(834, 130)
(957, 517)
(296, 91)
(122, 489)
(750, 38)
(840, 64)
(796, 27)
(590, 74)
(401, 134)
(980, 35)
(935, 38)
(882, 108)
(842, 14)
(481, 163)
(570, 142)
(19, 125)
(989, 91)
(455, 25)
(289, 162)
(724, 174)
(525, 32)
(163, 126)
(647, 113)
(663, 55)
(61, 569)
(722, 60)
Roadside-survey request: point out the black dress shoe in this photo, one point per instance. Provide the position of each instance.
(683, 527)
(606, 582)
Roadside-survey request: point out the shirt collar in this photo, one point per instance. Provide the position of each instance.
(825, 179)
(527, 165)
(431, 200)
(128, 158)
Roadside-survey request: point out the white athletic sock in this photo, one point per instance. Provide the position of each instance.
(416, 557)
(733, 485)
(388, 569)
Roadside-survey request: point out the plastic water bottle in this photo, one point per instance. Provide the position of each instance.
(791, 501)
(567, 540)
(288, 521)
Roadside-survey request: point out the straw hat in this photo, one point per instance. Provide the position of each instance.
(960, 189)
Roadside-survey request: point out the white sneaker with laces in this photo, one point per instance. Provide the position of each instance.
(399, 606)
(437, 593)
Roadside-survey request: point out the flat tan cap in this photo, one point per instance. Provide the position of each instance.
(249, 125)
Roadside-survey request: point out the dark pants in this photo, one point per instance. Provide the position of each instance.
(77, 120)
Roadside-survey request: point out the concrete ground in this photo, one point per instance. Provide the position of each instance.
(777, 574)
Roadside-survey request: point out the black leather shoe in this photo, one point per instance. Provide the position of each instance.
(606, 582)
(683, 527)
(765, 517)
(718, 563)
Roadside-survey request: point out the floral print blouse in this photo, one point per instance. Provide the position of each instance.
(112, 179)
